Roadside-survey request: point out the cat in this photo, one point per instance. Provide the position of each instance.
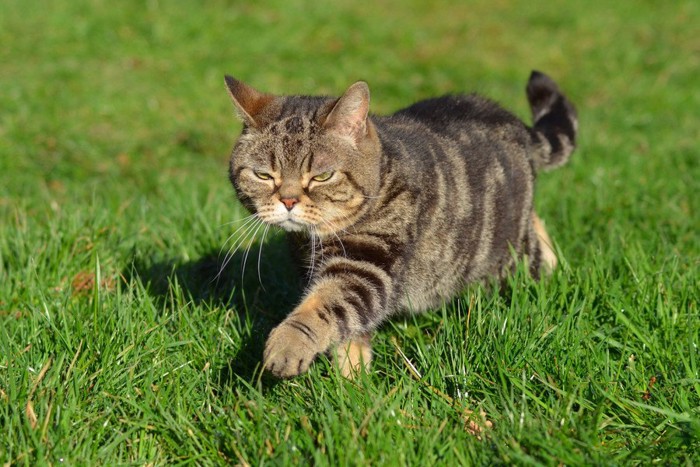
(395, 212)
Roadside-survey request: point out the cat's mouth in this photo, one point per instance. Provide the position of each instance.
(298, 222)
(292, 225)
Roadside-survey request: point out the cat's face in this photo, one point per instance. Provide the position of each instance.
(305, 164)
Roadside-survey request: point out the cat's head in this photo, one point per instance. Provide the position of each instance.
(305, 163)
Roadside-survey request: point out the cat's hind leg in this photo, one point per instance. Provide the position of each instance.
(546, 248)
(354, 356)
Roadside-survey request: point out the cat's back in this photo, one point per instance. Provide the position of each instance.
(455, 113)
(452, 130)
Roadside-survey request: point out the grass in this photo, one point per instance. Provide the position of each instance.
(117, 347)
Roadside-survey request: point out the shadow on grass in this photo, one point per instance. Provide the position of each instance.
(261, 292)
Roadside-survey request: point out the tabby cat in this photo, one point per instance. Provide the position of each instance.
(394, 212)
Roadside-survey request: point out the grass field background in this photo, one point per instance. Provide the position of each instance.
(117, 346)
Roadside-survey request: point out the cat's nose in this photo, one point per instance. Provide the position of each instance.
(289, 203)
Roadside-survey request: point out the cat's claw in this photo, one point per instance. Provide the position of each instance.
(288, 351)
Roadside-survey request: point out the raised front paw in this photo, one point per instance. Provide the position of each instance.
(290, 349)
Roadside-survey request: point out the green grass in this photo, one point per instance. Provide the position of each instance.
(116, 347)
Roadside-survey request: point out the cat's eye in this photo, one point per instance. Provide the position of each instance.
(322, 177)
(262, 175)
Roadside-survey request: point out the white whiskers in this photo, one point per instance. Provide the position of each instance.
(250, 244)
(245, 235)
(333, 230)
(262, 242)
(249, 228)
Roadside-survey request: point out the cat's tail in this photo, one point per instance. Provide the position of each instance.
(555, 123)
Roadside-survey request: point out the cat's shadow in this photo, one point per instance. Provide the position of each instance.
(261, 292)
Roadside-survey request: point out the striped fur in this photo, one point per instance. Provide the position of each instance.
(397, 212)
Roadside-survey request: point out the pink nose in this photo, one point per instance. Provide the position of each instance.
(289, 202)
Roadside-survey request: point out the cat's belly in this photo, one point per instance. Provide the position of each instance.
(429, 291)
(442, 269)
(430, 284)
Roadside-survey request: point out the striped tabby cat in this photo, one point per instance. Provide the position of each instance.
(394, 212)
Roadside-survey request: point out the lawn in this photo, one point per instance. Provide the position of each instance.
(123, 341)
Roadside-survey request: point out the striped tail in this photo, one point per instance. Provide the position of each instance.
(555, 122)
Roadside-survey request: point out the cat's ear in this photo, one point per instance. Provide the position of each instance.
(249, 101)
(349, 115)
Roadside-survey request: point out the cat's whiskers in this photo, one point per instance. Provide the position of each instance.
(240, 242)
(345, 217)
(238, 221)
(249, 222)
(313, 253)
(333, 231)
(340, 216)
(247, 219)
(250, 244)
(320, 242)
(262, 242)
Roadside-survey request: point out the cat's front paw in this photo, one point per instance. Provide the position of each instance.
(290, 349)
